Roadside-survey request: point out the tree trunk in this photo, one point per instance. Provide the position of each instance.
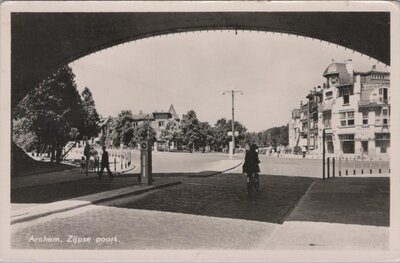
(52, 151)
(58, 152)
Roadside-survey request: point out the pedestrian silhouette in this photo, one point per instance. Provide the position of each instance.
(105, 164)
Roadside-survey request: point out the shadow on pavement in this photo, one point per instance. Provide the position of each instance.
(225, 196)
(54, 192)
(67, 190)
(351, 200)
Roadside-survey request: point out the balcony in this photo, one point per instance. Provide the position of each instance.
(313, 107)
(326, 105)
(373, 103)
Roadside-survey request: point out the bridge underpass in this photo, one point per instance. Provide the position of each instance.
(42, 42)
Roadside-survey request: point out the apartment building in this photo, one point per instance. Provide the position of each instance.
(354, 109)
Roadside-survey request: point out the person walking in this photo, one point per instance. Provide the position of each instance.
(105, 164)
(251, 162)
(86, 153)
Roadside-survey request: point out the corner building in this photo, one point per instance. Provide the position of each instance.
(355, 111)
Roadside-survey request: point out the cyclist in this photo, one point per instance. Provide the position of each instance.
(250, 165)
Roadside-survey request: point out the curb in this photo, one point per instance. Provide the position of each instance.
(299, 202)
(63, 206)
(211, 173)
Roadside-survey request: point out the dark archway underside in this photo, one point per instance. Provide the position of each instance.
(41, 42)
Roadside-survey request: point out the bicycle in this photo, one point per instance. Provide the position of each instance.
(252, 183)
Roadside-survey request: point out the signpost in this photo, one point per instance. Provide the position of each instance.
(146, 163)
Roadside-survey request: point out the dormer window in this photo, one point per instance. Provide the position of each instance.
(334, 79)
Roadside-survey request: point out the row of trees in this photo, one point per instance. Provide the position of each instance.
(194, 135)
(271, 137)
(54, 113)
(189, 133)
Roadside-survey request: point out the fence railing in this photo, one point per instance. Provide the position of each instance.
(342, 166)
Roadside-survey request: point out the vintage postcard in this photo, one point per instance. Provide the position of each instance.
(201, 130)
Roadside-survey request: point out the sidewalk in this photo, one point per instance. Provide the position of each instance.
(340, 213)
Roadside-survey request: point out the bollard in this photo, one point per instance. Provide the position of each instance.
(323, 167)
(362, 165)
(327, 160)
(347, 166)
(340, 166)
(354, 166)
(370, 165)
(380, 165)
(333, 167)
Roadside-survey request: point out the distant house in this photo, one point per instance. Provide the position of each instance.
(157, 119)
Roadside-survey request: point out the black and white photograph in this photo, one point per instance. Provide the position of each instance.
(200, 130)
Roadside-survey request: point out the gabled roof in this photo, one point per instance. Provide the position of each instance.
(173, 112)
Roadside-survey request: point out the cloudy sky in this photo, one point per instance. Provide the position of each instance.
(192, 70)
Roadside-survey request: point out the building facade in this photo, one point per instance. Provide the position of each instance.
(158, 121)
(354, 110)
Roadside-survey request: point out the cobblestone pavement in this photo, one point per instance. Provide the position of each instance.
(225, 196)
(212, 213)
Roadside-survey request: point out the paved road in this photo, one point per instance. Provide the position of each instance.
(172, 162)
(200, 213)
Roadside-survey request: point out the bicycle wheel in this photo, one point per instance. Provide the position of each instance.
(250, 186)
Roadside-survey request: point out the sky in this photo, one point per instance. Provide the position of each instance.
(192, 70)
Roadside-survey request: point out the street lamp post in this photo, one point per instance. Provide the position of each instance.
(233, 119)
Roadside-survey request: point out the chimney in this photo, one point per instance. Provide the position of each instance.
(140, 112)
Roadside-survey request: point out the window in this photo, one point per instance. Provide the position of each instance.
(345, 92)
(161, 124)
(382, 141)
(347, 118)
(382, 136)
(328, 95)
(347, 143)
(365, 118)
(385, 116)
(327, 119)
(383, 95)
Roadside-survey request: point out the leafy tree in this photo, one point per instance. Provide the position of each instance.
(91, 117)
(124, 128)
(23, 134)
(143, 132)
(171, 132)
(190, 130)
(52, 108)
(220, 132)
(206, 134)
